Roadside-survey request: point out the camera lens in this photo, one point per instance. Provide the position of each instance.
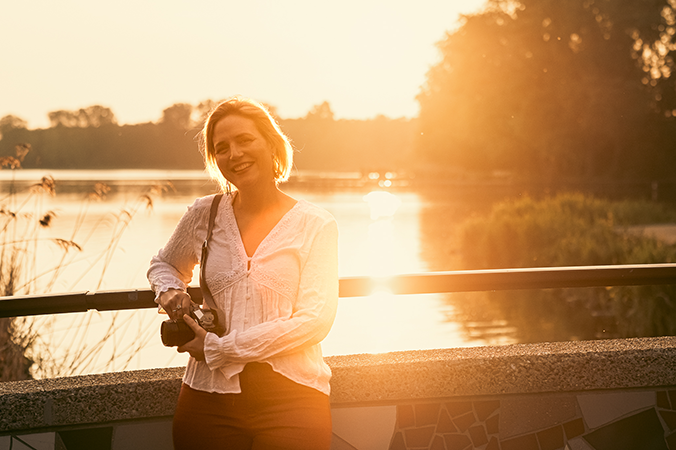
(175, 333)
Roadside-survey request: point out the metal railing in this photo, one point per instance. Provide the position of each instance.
(426, 283)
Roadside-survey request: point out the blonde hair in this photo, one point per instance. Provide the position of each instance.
(267, 126)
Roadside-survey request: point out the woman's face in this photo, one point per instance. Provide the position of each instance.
(243, 155)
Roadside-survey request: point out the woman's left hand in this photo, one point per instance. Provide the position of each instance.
(196, 346)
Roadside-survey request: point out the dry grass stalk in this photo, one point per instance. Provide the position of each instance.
(23, 351)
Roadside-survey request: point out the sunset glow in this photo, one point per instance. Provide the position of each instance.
(364, 57)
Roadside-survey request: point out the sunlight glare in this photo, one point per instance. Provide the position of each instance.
(382, 204)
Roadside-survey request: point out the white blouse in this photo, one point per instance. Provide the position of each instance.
(278, 304)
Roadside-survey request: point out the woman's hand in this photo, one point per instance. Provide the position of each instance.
(175, 302)
(196, 346)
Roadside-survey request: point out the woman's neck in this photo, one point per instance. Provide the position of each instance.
(261, 198)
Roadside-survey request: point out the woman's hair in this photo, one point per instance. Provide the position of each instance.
(282, 152)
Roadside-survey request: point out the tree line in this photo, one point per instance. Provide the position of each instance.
(91, 138)
(537, 89)
(581, 89)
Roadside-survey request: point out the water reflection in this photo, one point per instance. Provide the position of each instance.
(382, 233)
(382, 241)
(382, 204)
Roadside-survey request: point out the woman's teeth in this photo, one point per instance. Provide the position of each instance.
(240, 167)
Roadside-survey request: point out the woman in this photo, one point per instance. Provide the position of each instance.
(272, 271)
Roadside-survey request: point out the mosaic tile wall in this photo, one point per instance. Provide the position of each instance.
(592, 421)
(613, 420)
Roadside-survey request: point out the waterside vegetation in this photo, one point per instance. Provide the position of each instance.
(32, 261)
(568, 230)
(533, 90)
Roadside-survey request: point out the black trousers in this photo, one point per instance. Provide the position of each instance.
(271, 412)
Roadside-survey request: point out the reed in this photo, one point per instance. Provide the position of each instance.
(27, 345)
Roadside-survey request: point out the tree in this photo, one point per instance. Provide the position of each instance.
(92, 116)
(379, 144)
(543, 88)
(203, 109)
(11, 122)
(321, 111)
(178, 116)
(96, 116)
(62, 118)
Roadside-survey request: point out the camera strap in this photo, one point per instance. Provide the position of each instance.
(206, 293)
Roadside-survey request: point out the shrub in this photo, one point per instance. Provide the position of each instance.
(573, 230)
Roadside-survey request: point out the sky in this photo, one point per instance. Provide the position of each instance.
(138, 57)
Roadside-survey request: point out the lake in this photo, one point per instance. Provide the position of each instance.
(385, 229)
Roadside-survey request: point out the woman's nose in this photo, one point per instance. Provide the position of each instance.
(235, 152)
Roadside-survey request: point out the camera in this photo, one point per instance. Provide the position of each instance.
(177, 332)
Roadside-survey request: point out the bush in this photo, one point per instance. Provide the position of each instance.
(573, 230)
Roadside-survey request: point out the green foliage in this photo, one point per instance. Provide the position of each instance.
(83, 140)
(321, 111)
(569, 229)
(92, 116)
(572, 230)
(554, 90)
(177, 116)
(322, 143)
(10, 122)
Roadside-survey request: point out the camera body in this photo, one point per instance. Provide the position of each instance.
(176, 332)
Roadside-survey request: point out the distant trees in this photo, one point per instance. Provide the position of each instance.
(178, 116)
(93, 116)
(324, 143)
(544, 88)
(90, 138)
(10, 121)
(321, 111)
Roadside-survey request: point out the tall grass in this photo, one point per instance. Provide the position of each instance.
(27, 345)
(572, 230)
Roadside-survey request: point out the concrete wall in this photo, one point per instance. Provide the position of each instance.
(615, 394)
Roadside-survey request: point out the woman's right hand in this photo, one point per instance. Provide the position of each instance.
(175, 302)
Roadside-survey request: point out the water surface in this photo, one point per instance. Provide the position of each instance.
(381, 234)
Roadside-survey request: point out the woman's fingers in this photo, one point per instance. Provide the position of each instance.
(175, 303)
(196, 346)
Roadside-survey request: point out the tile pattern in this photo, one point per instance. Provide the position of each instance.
(472, 424)
(475, 424)
(447, 425)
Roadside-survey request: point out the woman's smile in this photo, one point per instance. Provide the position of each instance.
(242, 167)
(243, 155)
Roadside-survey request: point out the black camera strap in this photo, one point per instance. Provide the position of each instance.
(206, 293)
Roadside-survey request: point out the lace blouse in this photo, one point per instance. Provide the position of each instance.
(278, 304)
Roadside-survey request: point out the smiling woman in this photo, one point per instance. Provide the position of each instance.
(273, 271)
(251, 127)
(242, 154)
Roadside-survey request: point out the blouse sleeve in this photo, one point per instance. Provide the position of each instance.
(312, 317)
(172, 267)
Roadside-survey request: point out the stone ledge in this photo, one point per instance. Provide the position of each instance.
(363, 380)
(89, 399)
(510, 369)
